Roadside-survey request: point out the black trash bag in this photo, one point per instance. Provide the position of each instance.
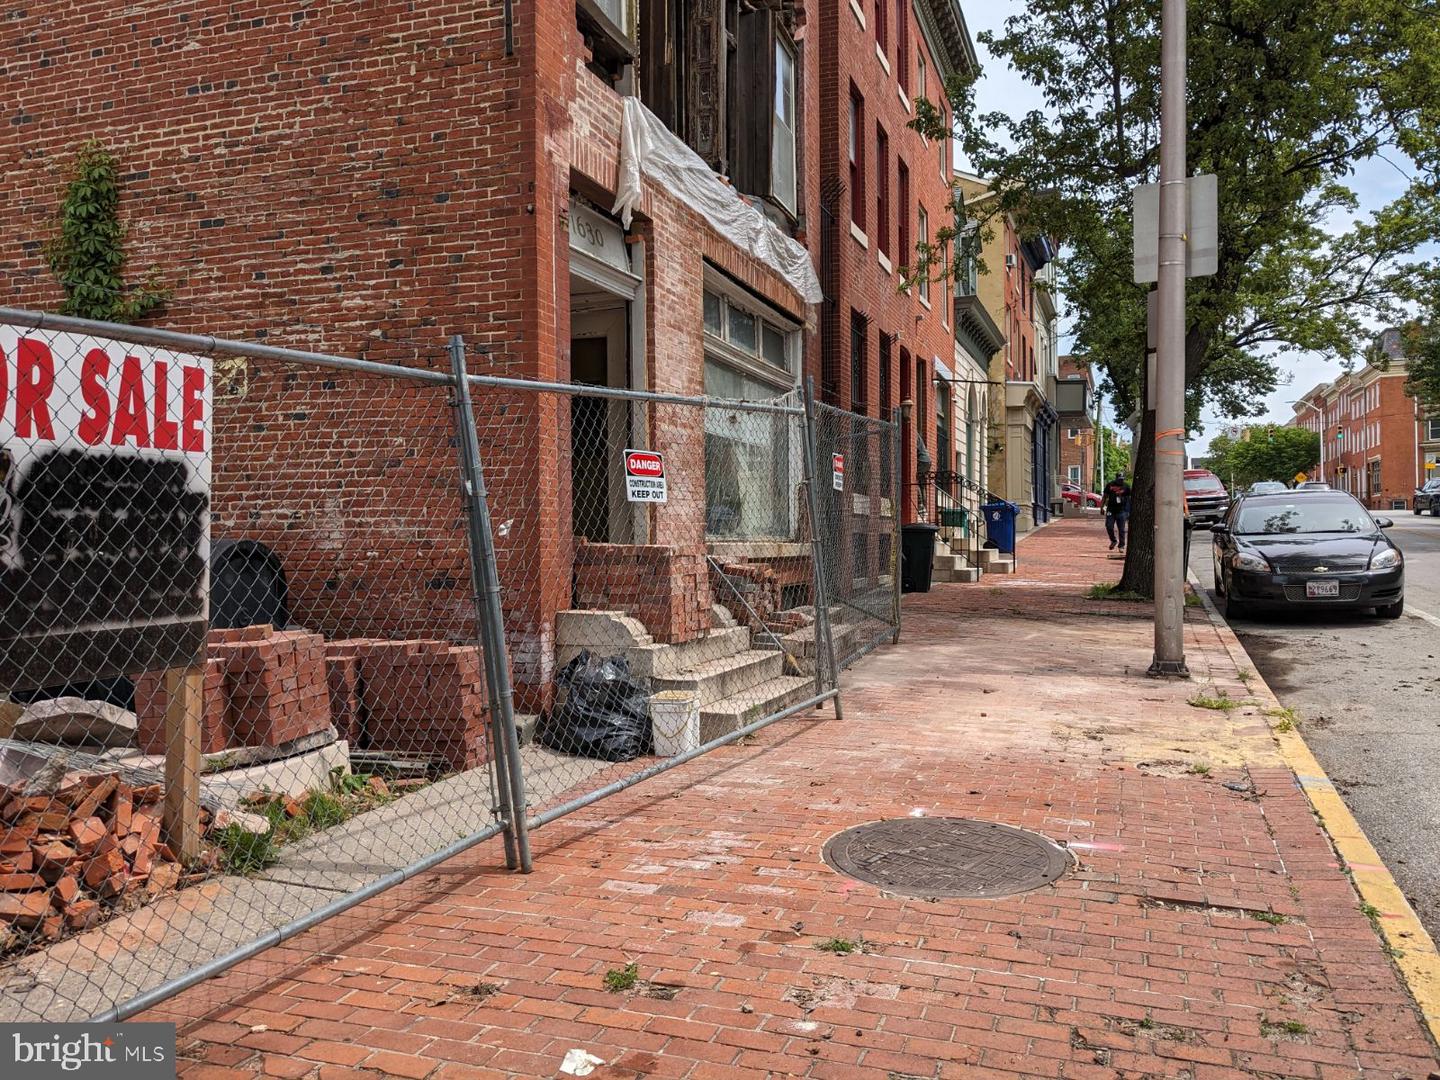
(605, 714)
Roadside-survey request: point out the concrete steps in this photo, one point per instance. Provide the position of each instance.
(715, 680)
(996, 562)
(732, 713)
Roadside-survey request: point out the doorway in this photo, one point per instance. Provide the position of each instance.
(600, 428)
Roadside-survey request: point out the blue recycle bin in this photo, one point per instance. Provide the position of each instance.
(1000, 524)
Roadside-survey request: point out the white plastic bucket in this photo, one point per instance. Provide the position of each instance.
(675, 722)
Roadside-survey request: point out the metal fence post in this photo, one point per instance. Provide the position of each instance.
(822, 597)
(491, 620)
(896, 558)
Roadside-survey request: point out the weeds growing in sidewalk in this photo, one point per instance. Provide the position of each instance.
(1286, 718)
(1245, 675)
(1223, 703)
(1199, 770)
(839, 946)
(1112, 591)
(1284, 1028)
(1274, 918)
(618, 980)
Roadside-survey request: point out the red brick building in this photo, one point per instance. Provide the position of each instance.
(1376, 441)
(883, 189)
(366, 179)
(1073, 393)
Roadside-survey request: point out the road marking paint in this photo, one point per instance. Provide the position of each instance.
(1425, 615)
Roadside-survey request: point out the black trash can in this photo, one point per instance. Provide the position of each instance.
(1189, 528)
(917, 556)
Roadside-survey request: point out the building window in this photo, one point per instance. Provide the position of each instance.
(782, 133)
(922, 241)
(902, 44)
(968, 281)
(1074, 474)
(859, 325)
(1374, 480)
(943, 464)
(920, 88)
(903, 252)
(1432, 430)
(882, 25)
(723, 77)
(1073, 433)
(747, 338)
(857, 158)
(944, 150)
(882, 190)
(607, 28)
(750, 464)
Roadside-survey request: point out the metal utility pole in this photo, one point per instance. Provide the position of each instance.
(1170, 359)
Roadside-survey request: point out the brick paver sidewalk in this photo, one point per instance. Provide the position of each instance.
(1015, 700)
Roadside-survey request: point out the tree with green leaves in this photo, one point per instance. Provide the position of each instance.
(87, 254)
(1286, 97)
(1421, 343)
(1263, 452)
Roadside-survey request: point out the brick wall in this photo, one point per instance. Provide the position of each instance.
(667, 590)
(861, 283)
(365, 179)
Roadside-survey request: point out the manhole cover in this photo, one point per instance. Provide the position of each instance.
(946, 857)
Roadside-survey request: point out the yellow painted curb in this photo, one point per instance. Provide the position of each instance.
(1413, 950)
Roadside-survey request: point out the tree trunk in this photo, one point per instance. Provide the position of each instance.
(1139, 576)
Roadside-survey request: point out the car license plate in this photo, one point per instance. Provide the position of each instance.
(1322, 590)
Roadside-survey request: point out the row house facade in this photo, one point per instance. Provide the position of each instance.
(364, 179)
(884, 189)
(1017, 289)
(1074, 399)
(1376, 441)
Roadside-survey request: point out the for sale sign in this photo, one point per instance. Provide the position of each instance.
(837, 471)
(104, 508)
(645, 476)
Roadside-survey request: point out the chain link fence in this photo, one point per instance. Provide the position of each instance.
(859, 513)
(239, 655)
(280, 631)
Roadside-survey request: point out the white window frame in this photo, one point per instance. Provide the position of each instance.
(922, 236)
(1074, 474)
(789, 198)
(753, 365)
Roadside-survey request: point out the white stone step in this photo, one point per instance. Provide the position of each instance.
(994, 562)
(652, 659)
(753, 703)
(725, 677)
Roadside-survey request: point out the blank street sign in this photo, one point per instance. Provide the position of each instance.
(1201, 230)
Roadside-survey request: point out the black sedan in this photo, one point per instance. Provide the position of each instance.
(1427, 498)
(1306, 549)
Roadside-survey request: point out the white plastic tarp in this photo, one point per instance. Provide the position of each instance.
(647, 146)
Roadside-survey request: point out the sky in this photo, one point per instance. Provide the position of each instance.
(1376, 182)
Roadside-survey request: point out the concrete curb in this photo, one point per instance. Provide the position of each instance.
(1414, 951)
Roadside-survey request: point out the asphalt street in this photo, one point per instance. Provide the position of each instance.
(1367, 692)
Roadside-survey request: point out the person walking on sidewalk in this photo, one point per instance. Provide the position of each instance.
(1117, 510)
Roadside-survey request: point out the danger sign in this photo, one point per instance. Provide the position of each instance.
(837, 473)
(644, 476)
(104, 508)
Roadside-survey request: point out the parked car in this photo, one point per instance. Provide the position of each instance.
(1313, 485)
(1073, 493)
(1427, 497)
(1205, 497)
(1266, 487)
(1302, 549)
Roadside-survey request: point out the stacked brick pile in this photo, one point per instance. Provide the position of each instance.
(67, 855)
(669, 592)
(263, 687)
(418, 697)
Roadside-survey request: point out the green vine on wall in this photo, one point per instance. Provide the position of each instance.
(87, 255)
